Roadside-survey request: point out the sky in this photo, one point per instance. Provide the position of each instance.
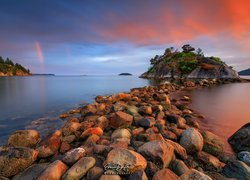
(104, 37)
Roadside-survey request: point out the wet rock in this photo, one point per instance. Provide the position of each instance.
(194, 175)
(178, 167)
(94, 173)
(191, 121)
(50, 146)
(209, 162)
(89, 109)
(54, 171)
(165, 173)
(178, 149)
(65, 115)
(212, 143)
(31, 172)
(80, 168)
(138, 175)
(132, 160)
(237, 169)
(159, 152)
(15, 159)
(240, 140)
(71, 128)
(191, 140)
(24, 138)
(74, 155)
(69, 139)
(146, 122)
(95, 130)
(121, 119)
(245, 157)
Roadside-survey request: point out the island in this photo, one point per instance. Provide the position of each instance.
(189, 64)
(125, 74)
(8, 68)
(245, 72)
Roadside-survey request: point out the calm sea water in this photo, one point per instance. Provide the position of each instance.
(36, 101)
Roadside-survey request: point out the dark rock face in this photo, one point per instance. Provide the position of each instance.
(15, 160)
(237, 169)
(240, 140)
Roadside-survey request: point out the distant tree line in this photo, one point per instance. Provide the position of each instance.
(7, 66)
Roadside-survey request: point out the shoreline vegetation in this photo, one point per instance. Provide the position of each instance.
(144, 134)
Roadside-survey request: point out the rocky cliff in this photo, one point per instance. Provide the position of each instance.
(188, 64)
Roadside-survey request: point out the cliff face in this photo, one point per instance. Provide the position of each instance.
(188, 64)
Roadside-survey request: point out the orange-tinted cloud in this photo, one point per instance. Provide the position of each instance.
(39, 52)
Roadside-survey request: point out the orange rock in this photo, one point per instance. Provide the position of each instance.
(95, 130)
(165, 174)
(65, 147)
(121, 119)
(152, 137)
(138, 131)
(54, 171)
(91, 140)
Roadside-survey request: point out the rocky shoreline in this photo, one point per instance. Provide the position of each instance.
(143, 134)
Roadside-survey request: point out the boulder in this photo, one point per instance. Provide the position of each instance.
(212, 143)
(95, 130)
(54, 171)
(158, 151)
(15, 159)
(102, 122)
(178, 149)
(31, 172)
(24, 138)
(146, 122)
(245, 157)
(191, 140)
(209, 162)
(165, 173)
(145, 110)
(193, 174)
(129, 160)
(79, 169)
(50, 146)
(237, 169)
(74, 155)
(139, 175)
(120, 120)
(178, 167)
(121, 133)
(240, 140)
(94, 173)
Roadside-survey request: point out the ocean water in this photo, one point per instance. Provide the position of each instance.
(36, 101)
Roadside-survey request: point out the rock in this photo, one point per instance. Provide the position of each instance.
(145, 110)
(146, 122)
(89, 109)
(79, 169)
(95, 130)
(65, 147)
(95, 173)
(160, 152)
(191, 140)
(240, 140)
(237, 169)
(92, 140)
(15, 159)
(212, 143)
(65, 115)
(50, 146)
(131, 161)
(102, 122)
(209, 162)
(54, 171)
(153, 136)
(178, 149)
(121, 134)
(178, 167)
(138, 131)
(245, 157)
(71, 128)
(110, 177)
(102, 149)
(193, 174)
(139, 175)
(165, 173)
(24, 138)
(133, 110)
(119, 106)
(121, 120)
(74, 155)
(181, 123)
(69, 139)
(31, 172)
